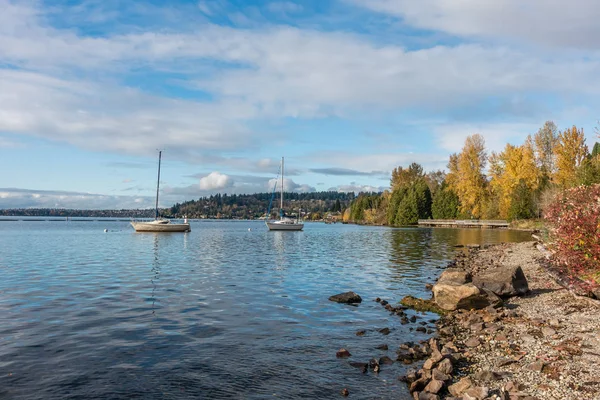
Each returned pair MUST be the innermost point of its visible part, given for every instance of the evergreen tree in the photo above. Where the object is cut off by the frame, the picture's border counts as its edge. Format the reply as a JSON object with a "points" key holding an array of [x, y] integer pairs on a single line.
{"points": [[338, 206], [408, 211], [445, 204], [522, 204]]}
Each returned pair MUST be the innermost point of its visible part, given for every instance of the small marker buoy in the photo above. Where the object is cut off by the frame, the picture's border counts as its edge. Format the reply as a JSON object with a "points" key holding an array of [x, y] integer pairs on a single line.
{"points": [[106, 230], [249, 229]]}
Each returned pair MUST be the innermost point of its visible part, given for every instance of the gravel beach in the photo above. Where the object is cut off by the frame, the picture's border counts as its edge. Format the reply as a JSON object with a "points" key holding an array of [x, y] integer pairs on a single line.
{"points": [[543, 345]]}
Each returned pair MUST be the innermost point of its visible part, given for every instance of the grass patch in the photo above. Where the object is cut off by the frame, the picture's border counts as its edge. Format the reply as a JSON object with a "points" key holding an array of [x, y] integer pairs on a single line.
{"points": [[529, 224], [422, 305]]}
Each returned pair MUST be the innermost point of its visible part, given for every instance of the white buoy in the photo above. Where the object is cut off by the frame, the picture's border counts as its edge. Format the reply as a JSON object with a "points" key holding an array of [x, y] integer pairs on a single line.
{"points": [[106, 230], [249, 229]]}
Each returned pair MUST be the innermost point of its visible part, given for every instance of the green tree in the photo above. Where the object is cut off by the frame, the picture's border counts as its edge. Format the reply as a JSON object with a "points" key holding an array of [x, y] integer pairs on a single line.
{"points": [[408, 212], [445, 204], [522, 205]]}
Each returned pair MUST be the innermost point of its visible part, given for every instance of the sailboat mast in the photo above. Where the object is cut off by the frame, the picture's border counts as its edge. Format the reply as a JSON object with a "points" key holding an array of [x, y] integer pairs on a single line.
{"points": [[281, 207], [157, 186]]}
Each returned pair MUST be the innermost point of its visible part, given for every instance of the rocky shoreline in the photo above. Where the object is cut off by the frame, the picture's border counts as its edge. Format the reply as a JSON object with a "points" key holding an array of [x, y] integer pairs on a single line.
{"points": [[509, 332]]}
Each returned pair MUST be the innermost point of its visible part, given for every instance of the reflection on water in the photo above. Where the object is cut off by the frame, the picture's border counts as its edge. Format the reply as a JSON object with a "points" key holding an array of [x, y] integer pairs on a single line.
{"points": [[219, 312]]}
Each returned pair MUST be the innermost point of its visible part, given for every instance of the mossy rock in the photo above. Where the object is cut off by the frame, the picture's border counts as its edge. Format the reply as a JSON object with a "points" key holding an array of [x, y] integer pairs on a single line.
{"points": [[422, 305]]}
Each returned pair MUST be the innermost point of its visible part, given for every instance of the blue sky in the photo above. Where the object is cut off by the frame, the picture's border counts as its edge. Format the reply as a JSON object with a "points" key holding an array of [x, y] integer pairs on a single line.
{"points": [[346, 90]]}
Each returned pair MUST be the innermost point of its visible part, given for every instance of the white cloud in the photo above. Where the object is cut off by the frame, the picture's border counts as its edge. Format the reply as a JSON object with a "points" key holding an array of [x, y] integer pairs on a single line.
{"points": [[548, 22], [215, 181], [289, 186], [358, 188]]}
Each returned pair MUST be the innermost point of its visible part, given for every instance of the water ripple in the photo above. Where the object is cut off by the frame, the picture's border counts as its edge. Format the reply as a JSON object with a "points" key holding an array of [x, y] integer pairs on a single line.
{"points": [[220, 312]]}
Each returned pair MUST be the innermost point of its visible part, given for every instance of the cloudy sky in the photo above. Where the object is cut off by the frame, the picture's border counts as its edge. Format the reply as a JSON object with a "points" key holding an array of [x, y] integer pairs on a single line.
{"points": [[344, 89]]}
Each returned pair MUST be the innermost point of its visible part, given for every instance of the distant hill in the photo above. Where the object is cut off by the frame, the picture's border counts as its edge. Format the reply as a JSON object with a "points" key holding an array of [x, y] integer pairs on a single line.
{"points": [[252, 206], [235, 206]]}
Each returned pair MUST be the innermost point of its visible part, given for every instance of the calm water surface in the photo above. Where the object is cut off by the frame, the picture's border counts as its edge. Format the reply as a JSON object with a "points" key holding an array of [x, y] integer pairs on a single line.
{"points": [[228, 310]]}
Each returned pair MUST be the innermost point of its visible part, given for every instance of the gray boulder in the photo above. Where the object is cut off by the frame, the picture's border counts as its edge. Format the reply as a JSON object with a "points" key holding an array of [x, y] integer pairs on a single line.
{"points": [[348, 297], [504, 281]]}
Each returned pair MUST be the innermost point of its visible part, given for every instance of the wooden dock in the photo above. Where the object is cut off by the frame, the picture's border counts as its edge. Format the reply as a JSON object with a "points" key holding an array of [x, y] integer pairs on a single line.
{"points": [[464, 223]]}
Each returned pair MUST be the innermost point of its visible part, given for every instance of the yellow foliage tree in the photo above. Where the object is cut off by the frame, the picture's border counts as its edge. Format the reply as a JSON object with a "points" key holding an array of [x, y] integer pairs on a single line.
{"points": [[452, 175], [513, 165], [570, 151], [470, 183]]}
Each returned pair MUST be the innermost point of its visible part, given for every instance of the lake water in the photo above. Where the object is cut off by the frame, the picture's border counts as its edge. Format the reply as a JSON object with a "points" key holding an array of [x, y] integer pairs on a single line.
{"points": [[229, 310]]}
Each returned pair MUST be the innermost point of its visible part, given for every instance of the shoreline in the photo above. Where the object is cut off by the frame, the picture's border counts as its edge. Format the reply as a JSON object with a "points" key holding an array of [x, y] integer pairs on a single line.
{"points": [[542, 345]]}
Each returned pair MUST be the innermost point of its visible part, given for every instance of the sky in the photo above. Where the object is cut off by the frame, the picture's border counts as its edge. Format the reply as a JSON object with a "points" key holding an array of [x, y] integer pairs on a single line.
{"points": [[345, 90]]}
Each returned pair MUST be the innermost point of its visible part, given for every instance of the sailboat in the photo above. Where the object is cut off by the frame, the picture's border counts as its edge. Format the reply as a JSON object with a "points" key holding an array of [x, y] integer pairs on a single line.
{"points": [[160, 224], [284, 223]]}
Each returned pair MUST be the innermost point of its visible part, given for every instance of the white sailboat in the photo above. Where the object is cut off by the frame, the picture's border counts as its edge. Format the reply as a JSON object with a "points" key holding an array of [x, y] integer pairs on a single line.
{"points": [[160, 224], [284, 223]]}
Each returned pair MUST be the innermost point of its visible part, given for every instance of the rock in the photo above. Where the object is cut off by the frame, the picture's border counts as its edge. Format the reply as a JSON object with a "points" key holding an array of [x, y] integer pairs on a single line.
{"points": [[537, 366], [434, 386], [495, 301], [440, 376], [382, 347], [345, 392], [385, 360], [504, 281], [429, 364], [342, 353], [450, 296], [363, 366], [384, 302], [421, 329], [378, 300], [445, 366], [348, 298], [472, 342], [476, 393], [428, 286], [373, 362], [460, 387], [477, 327], [487, 376], [418, 385], [361, 332], [548, 331], [427, 396], [455, 275], [503, 362], [413, 318], [384, 331]]}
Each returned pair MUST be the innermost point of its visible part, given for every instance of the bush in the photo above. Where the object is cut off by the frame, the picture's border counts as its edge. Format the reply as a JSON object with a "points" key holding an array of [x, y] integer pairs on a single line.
{"points": [[574, 219]]}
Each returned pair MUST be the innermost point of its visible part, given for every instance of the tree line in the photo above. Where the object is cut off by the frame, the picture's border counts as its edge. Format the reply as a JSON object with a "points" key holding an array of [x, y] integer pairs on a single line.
{"points": [[515, 183], [314, 205]]}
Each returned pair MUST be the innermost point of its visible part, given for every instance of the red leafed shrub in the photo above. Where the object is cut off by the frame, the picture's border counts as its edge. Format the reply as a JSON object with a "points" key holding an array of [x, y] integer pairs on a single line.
{"points": [[574, 218]]}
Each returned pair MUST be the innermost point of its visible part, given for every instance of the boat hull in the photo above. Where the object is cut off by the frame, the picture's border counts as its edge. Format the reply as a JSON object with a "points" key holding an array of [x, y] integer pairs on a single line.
{"points": [[153, 227], [284, 227]]}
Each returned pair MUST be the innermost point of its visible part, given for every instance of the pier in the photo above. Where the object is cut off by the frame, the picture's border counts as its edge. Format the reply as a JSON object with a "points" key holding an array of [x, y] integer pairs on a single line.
{"points": [[464, 223]]}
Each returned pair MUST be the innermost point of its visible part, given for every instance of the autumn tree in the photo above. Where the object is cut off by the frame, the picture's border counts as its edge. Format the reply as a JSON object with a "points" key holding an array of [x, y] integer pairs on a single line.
{"points": [[513, 167], [571, 151], [405, 176], [434, 180], [452, 175], [545, 141], [470, 182]]}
